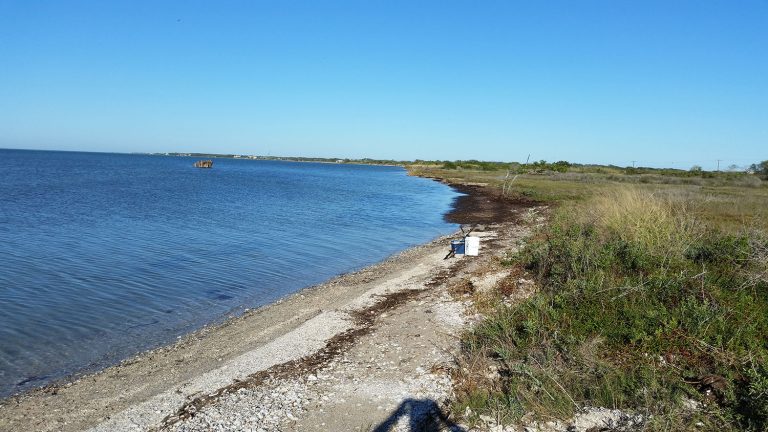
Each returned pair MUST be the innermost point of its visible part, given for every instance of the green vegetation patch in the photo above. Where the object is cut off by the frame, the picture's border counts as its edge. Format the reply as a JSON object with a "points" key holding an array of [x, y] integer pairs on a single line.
{"points": [[641, 307]]}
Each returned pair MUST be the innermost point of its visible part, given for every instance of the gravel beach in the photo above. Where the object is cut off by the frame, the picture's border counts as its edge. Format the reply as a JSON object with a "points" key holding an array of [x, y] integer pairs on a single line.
{"points": [[367, 350]]}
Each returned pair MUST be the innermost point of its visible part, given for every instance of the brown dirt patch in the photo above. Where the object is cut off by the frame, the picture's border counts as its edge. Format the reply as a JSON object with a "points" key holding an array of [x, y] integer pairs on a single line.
{"points": [[485, 205]]}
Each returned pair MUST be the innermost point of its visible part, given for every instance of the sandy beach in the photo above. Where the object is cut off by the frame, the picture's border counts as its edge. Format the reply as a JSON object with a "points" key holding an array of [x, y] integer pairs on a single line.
{"points": [[391, 327]]}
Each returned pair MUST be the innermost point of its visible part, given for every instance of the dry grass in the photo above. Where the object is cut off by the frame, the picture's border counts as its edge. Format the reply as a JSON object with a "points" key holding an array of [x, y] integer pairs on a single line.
{"points": [[652, 220]]}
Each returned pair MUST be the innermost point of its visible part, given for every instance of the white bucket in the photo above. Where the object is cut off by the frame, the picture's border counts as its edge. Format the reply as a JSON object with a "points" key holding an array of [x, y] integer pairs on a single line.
{"points": [[472, 246]]}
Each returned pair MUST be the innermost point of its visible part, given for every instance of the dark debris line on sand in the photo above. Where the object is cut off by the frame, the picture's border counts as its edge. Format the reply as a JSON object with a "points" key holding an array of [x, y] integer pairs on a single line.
{"points": [[364, 320]]}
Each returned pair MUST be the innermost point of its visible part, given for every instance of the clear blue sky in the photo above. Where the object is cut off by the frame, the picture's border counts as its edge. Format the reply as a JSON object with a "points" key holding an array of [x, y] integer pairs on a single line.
{"points": [[665, 83]]}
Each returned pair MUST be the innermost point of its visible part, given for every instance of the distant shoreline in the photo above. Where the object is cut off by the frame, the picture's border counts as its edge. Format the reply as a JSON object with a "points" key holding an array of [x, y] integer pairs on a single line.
{"points": [[335, 161], [332, 161]]}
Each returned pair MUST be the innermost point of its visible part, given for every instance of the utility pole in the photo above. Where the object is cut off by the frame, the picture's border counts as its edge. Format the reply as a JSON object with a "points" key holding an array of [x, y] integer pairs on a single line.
{"points": [[718, 165], [633, 164]]}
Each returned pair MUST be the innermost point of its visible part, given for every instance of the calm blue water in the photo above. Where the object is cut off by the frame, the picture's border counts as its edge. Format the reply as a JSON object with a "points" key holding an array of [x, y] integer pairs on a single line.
{"points": [[103, 255]]}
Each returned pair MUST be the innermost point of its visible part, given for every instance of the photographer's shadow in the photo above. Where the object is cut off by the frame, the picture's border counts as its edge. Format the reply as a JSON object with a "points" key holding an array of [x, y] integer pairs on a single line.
{"points": [[424, 415]]}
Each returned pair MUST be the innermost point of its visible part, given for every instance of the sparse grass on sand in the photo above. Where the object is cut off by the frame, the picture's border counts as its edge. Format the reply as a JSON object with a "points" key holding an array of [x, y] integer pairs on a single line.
{"points": [[652, 298]]}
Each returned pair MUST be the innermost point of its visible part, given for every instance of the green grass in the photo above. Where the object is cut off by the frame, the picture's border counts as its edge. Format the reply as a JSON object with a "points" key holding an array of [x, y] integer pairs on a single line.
{"points": [[649, 295], [727, 202]]}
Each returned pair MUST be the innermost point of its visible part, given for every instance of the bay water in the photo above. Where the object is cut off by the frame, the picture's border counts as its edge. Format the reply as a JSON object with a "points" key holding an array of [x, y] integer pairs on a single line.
{"points": [[105, 255]]}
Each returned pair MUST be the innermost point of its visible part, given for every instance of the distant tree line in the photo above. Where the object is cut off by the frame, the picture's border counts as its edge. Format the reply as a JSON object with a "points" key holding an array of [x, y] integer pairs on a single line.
{"points": [[760, 169], [542, 166], [538, 167]]}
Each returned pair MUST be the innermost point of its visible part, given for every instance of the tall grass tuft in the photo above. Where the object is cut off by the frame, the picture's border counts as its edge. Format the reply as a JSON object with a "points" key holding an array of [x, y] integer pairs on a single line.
{"points": [[650, 220]]}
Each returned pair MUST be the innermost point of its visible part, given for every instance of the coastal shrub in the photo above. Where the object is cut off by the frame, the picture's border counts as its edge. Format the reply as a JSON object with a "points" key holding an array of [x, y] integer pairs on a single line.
{"points": [[748, 181], [754, 397], [474, 165], [760, 169], [641, 307]]}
